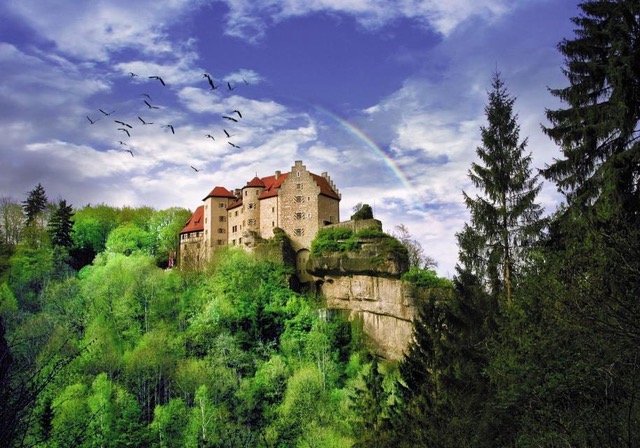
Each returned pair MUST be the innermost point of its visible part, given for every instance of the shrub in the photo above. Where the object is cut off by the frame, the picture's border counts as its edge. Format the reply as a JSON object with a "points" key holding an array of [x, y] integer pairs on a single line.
{"points": [[426, 278]]}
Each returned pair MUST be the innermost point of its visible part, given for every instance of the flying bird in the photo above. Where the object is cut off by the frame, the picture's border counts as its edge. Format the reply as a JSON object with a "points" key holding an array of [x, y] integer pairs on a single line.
{"points": [[213, 87], [122, 143], [194, 168], [227, 134], [159, 79], [133, 75], [170, 127], [125, 130], [237, 112], [149, 105], [229, 118], [90, 120], [143, 122], [124, 124], [210, 136], [129, 151], [235, 146], [147, 95], [245, 81], [106, 114], [229, 86]]}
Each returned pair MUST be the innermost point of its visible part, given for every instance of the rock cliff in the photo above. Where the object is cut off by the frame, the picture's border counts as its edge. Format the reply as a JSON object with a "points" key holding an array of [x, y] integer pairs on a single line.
{"points": [[365, 284]]}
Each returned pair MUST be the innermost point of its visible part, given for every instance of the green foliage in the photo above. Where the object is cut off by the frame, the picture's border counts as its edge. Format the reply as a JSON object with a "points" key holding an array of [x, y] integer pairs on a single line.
{"points": [[129, 238], [341, 239], [426, 278], [362, 212]]}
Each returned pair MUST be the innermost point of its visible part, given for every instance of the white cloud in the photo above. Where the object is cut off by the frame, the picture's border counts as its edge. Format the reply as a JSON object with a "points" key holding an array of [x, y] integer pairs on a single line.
{"points": [[250, 20], [92, 30]]}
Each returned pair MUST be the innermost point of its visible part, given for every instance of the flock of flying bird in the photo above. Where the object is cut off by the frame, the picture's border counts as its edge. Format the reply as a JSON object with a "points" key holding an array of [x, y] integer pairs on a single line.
{"points": [[127, 128]]}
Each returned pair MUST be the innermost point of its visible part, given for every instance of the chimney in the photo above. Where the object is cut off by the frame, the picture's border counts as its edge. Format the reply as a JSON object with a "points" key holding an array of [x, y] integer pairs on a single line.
{"points": [[277, 174], [325, 175]]}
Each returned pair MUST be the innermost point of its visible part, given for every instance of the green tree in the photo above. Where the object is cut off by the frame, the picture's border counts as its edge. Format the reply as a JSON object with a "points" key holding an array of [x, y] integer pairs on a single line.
{"points": [[595, 237], [12, 220], [61, 225], [598, 131], [35, 204], [504, 216], [362, 211]]}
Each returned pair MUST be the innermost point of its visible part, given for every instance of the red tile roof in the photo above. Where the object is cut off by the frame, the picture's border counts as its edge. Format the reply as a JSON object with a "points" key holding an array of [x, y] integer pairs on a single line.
{"points": [[325, 187], [255, 182], [195, 223], [271, 185], [219, 192]]}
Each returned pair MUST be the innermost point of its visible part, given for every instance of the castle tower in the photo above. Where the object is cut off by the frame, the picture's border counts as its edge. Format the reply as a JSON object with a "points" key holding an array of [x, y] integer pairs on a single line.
{"points": [[251, 205], [215, 218]]}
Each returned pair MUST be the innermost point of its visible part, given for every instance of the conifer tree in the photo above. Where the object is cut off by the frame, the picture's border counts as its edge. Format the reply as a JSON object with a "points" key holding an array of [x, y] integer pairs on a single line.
{"points": [[61, 225], [504, 215], [598, 132], [596, 235], [35, 203]]}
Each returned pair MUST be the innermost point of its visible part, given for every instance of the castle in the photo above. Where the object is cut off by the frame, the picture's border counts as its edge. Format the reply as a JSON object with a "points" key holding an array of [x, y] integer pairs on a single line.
{"points": [[298, 202]]}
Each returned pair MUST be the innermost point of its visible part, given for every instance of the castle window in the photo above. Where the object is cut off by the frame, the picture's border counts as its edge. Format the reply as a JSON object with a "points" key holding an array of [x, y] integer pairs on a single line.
{"points": [[298, 215], [205, 220], [246, 192], [297, 199], [220, 242], [257, 192], [236, 212], [220, 230], [222, 218], [252, 222], [221, 205], [298, 186], [234, 229], [298, 232], [273, 209], [251, 206], [298, 173]]}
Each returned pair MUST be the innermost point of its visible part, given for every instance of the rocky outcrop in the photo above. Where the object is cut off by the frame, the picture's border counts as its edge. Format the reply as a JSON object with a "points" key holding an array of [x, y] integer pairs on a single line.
{"points": [[384, 306], [365, 284]]}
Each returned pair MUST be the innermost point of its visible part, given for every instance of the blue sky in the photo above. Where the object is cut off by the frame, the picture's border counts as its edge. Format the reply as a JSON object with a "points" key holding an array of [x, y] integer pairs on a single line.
{"points": [[386, 96]]}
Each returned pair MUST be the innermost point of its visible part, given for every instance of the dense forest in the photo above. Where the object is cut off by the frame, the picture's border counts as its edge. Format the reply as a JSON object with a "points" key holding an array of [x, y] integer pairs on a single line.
{"points": [[534, 342]]}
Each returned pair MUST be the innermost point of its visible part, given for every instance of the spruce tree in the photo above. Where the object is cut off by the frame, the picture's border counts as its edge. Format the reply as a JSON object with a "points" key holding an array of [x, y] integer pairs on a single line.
{"points": [[61, 225], [596, 234], [35, 204], [598, 132], [504, 215]]}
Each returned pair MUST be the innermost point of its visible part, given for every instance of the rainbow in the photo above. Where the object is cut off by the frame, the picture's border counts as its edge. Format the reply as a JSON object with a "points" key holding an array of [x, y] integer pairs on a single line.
{"points": [[368, 142]]}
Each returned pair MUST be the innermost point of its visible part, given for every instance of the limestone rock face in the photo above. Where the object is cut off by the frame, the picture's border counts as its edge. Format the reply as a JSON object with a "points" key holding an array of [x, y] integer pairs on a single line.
{"points": [[384, 306]]}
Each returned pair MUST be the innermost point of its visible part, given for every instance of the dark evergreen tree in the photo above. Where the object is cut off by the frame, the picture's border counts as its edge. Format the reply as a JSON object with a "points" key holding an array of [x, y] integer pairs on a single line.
{"points": [[596, 234], [504, 215], [61, 225], [35, 204], [598, 132], [370, 407]]}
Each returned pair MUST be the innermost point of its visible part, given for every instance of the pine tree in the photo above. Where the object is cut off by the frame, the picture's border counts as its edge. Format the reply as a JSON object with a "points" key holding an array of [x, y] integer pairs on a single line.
{"points": [[61, 225], [35, 204], [504, 215]]}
